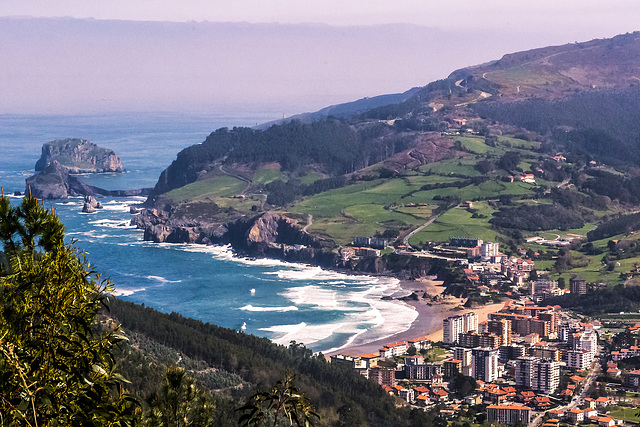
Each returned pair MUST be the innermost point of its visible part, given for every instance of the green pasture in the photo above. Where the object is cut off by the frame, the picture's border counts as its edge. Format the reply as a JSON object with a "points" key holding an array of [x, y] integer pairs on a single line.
{"points": [[212, 188], [311, 177], [457, 222], [268, 173]]}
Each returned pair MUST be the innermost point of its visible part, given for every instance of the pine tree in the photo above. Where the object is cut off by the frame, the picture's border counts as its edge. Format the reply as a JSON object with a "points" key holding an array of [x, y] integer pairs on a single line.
{"points": [[56, 361]]}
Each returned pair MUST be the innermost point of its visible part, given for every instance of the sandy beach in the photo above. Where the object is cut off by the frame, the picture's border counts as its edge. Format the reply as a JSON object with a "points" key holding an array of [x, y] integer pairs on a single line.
{"points": [[430, 316]]}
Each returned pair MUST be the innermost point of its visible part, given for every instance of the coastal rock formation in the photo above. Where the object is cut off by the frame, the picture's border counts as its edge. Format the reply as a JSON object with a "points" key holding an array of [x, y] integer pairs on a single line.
{"points": [[91, 204], [55, 182], [79, 156]]}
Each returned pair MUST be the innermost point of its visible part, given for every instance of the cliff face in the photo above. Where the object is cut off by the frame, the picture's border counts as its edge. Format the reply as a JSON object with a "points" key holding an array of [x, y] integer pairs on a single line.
{"points": [[54, 182], [79, 156]]}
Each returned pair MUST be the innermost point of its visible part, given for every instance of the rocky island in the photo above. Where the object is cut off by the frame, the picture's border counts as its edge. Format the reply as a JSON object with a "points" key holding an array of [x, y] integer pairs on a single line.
{"points": [[79, 156], [63, 158]]}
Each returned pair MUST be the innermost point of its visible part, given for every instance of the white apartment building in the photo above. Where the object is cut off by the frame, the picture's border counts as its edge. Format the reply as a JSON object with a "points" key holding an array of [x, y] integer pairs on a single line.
{"points": [[455, 325]]}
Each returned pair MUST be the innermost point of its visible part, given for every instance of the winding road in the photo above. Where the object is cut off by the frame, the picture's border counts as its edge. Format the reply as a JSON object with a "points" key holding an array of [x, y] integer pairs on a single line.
{"points": [[309, 223]]}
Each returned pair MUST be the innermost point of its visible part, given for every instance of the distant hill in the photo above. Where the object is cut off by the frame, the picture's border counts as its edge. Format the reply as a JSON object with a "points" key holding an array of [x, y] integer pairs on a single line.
{"points": [[556, 124]]}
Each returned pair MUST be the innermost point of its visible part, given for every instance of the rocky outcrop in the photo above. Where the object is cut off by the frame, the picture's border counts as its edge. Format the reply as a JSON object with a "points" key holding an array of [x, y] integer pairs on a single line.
{"points": [[91, 204], [55, 182], [79, 156], [267, 234]]}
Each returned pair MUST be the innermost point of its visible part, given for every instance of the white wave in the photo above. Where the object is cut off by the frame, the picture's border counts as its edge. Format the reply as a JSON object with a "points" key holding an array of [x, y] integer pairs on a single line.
{"points": [[317, 297], [162, 279], [279, 309], [126, 292], [118, 206], [253, 291], [112, 223]]}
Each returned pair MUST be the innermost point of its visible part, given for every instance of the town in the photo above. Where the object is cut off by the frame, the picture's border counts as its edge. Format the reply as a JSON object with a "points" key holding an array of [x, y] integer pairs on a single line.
{"points": [[528, 363]]}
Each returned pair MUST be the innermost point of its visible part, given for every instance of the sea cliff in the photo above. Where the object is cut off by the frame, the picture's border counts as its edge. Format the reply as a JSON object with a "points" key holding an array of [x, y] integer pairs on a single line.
{"points": [[79, 156]]}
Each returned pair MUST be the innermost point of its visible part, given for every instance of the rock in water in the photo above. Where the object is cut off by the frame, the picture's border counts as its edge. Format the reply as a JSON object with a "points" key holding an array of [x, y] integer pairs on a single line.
{"points": [[91, 204], [55, 183], [79, 156]]}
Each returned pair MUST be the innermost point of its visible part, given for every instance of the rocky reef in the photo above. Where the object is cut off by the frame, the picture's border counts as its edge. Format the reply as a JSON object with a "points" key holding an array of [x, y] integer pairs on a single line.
{"points": [[79, 156]]}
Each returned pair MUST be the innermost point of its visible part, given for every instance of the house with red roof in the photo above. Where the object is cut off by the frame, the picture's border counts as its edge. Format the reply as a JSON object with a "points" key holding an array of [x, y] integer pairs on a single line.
{"points": [[575, 416], [423, 400], [542, 402], [606, 422], [439, 395]]}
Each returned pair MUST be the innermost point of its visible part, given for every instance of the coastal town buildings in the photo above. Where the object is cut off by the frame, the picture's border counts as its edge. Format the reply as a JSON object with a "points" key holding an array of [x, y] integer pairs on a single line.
{"points": [[455, 325]]}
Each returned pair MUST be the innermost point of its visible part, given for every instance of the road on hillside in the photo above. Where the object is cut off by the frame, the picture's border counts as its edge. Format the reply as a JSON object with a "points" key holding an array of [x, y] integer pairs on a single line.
{"points": [[309, 223], [405, 241]]}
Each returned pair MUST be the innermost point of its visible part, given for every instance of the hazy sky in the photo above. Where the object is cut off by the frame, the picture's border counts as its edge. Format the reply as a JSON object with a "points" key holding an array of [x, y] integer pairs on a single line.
{"points": [[599, 16], [293, 56]]}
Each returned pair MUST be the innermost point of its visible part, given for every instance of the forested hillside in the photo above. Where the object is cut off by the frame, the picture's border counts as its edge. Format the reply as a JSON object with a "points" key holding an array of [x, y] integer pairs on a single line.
{"points": [[232, 365]]}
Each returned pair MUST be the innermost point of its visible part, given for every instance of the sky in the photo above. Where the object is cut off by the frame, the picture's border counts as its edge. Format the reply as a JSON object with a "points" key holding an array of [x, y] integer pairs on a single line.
{"points": [[595, 15], [286, 55]]}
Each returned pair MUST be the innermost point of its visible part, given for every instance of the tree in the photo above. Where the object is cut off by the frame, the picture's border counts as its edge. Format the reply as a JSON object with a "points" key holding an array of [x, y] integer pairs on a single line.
{"points": [[283, 400], [56, 361], [179, 404]]}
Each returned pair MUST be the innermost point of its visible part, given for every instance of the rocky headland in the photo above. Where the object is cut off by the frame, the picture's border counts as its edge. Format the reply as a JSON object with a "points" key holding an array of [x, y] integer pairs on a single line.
{"points": [[79, 156], [267, 234]]}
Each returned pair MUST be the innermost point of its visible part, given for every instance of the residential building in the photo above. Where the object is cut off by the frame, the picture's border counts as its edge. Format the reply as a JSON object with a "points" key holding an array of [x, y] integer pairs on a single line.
{"points": [[485, 364], [407, 394], [538, 374], [451, 368], [509, 414], [510, 352], [383, 376], [416, 369], [578, 285], [474, 339], [578, 359], [501, 328], [455, 325], [487, 250]]}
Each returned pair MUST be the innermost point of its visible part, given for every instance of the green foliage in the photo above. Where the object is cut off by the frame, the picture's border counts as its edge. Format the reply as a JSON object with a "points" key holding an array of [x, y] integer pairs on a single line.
{"points": [[261, 363], [283, 400], [180, 403], [603, 119], [537, 217], [56, 366]]}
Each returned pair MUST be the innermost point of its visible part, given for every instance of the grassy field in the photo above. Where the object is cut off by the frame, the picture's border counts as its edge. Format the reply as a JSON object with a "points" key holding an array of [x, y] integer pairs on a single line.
{"points": [[627, 414], [457, 222], [217, 187], [268, 173]]}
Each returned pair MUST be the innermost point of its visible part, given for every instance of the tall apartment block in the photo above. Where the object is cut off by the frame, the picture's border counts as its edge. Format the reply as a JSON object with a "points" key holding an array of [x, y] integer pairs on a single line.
{"points": [[455, 325]]}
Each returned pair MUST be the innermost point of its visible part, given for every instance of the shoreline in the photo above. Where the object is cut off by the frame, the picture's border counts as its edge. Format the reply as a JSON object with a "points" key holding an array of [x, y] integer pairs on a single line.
{"points": [[427, 324]]}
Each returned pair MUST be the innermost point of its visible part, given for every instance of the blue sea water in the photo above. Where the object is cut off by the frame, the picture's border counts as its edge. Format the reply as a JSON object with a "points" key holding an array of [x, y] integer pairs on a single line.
{"points": [[325, 310]]}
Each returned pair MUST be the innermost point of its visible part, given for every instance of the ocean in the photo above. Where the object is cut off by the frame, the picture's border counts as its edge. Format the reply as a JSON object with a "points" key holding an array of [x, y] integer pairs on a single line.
{"points": [[285, 302]]}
